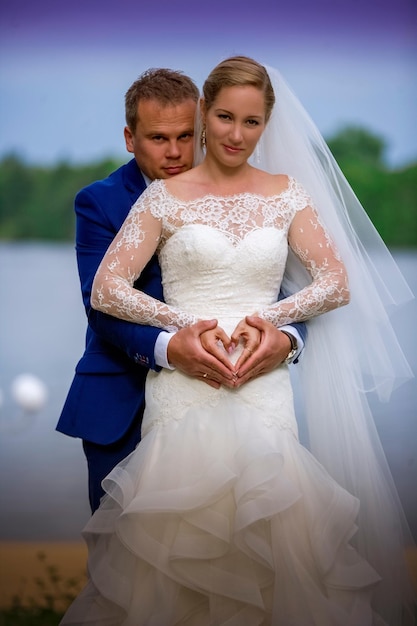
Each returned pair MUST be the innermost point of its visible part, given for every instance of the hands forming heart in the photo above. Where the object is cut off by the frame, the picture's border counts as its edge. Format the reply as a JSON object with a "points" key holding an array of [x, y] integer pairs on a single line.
{"points": [[205, 351], [232, 351]]}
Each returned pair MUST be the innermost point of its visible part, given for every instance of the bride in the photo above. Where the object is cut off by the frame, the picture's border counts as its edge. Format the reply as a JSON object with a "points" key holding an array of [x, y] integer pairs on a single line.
{"points": [[220, 516]]}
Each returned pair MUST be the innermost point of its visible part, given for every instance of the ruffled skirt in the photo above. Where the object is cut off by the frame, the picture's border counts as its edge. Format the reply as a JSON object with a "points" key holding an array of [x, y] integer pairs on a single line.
{"points": [[221, 517]]}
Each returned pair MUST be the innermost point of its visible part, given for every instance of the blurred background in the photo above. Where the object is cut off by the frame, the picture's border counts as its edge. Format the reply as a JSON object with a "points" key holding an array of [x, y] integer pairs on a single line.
{"points": [[64, 70]]}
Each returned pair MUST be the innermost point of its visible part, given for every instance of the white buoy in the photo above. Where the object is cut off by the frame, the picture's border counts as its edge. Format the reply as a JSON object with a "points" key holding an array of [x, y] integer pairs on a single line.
{"points": [[29, 392]]}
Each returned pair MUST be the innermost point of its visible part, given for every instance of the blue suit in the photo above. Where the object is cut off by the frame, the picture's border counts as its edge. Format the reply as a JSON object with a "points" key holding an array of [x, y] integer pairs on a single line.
{"points": [[105, 403]]}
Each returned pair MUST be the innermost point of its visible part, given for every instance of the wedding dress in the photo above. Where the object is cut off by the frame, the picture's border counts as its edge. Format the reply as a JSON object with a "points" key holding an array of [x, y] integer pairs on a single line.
{"points": [[220, 516]]}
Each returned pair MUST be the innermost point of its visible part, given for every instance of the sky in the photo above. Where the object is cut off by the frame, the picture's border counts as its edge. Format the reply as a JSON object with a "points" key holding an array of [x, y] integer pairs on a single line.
{"points": [[65, 66]]}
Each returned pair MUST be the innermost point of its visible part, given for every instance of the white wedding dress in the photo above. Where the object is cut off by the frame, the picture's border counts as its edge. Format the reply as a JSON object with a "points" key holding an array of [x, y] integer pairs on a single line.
{"points": [[221, 516]]}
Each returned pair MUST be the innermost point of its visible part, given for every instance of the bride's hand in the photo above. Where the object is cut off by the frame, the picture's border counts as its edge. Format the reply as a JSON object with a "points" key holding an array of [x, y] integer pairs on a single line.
{"points": [[250, 337], [200, 358], [273, 350], [218, 343]]}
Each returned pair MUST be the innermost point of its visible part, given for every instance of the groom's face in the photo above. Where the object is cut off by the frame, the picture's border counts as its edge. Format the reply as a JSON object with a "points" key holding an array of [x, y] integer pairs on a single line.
{"points": [[163, 139]]}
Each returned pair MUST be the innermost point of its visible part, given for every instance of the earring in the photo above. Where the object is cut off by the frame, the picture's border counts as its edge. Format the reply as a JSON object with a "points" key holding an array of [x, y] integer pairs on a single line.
{"points": [[257, 154], [203, 138]]}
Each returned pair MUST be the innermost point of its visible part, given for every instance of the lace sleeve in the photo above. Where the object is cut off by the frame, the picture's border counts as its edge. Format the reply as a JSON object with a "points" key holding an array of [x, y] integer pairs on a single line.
{"points": [[329, 287], [113, 291]]}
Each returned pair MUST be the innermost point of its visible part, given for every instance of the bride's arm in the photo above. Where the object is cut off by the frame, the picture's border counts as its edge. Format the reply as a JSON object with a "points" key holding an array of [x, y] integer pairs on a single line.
{"points": [[329, 288], [113, 292]]}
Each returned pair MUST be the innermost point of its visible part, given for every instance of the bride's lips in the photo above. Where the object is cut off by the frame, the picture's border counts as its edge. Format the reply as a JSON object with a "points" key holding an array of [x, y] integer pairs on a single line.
{"points": [[232, 149]]}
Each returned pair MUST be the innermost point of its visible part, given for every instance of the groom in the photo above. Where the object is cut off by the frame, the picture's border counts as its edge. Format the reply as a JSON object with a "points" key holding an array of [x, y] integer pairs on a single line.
{"points": [[105, 402]]}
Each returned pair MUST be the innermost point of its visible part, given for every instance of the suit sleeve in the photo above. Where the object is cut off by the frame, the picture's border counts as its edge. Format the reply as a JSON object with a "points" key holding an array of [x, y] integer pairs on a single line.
{"points": [[94, 233]]}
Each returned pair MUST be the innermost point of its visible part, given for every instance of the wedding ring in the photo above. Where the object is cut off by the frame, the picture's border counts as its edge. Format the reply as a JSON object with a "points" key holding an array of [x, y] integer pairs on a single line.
{"points": [[205, 375]]}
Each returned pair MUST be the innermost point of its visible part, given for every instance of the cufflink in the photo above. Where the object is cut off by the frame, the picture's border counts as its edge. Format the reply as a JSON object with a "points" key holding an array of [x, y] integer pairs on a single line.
{"points": [[141, 359]]}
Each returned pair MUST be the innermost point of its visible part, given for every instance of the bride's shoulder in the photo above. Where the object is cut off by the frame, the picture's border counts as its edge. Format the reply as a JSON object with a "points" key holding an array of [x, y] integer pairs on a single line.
{"points": [[186, 186], [274, 184]]}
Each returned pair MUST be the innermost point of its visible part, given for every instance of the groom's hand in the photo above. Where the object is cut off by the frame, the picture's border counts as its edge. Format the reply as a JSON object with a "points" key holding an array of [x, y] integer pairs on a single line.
{"points": [[194, 351], [272, 351]]}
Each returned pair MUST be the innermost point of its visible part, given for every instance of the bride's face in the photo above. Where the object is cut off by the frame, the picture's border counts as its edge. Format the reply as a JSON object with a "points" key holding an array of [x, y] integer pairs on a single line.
{"points": [[234, 123]]}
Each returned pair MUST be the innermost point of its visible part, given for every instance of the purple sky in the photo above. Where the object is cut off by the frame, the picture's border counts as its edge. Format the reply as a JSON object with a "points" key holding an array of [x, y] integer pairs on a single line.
{"points": [[356, 16], [65, 66]]}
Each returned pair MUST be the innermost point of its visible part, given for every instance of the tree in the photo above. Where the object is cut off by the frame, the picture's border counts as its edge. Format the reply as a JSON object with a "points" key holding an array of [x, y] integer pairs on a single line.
{"points": [[356, 143]]}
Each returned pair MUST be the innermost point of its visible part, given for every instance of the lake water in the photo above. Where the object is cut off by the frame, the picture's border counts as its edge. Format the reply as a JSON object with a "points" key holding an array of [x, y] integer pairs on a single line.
{"points": [[43, 476]]}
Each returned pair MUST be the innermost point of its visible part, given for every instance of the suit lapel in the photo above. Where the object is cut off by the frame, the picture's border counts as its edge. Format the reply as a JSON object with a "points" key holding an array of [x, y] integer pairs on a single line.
{"points": [[133, 180]]}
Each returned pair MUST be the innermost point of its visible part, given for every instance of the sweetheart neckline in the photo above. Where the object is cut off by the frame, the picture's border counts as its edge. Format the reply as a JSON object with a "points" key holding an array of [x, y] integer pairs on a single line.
{"points": [[234, 240]]}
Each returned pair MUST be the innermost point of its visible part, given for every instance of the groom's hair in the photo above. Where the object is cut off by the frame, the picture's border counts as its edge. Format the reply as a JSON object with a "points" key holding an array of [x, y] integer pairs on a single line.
{"points": [[166, 86]]}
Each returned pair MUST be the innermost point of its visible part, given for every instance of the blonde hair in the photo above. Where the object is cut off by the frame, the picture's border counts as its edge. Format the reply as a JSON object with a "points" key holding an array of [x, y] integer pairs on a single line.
{"points": [[239, 71]]}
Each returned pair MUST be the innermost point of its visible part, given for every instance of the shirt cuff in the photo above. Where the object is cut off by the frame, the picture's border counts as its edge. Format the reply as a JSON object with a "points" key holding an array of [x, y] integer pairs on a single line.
{"points": [[300, 343], [161, 350]]}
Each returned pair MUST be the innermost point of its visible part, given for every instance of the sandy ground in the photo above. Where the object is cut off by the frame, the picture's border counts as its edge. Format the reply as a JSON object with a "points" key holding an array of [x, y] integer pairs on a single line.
{"points": [[21, 564]]}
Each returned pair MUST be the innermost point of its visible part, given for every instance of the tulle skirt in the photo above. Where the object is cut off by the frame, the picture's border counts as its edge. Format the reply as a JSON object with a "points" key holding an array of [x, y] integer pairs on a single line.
{"points": [[221, 517]]}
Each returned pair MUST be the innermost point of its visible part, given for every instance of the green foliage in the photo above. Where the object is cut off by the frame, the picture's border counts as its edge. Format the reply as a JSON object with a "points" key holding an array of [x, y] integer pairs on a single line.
{"points": [[355, 143], [54, 596], [389, 196], [37, 203]]}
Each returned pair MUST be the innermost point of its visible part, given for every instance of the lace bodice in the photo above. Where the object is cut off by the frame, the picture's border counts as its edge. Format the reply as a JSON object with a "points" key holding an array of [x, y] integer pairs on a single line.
{"points": [[220, 257]]}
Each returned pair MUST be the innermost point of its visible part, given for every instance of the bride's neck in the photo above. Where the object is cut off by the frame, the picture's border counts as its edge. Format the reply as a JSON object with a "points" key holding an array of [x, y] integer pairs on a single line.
{"points": [[228, 179]]}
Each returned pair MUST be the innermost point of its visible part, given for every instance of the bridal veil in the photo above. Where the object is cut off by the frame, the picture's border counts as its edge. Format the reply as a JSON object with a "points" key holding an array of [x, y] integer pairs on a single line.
{"points": [[351, 352]]}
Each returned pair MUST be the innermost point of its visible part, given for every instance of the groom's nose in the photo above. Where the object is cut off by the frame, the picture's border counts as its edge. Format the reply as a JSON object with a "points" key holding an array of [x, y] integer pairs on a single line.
{"points": [[173, 150]]}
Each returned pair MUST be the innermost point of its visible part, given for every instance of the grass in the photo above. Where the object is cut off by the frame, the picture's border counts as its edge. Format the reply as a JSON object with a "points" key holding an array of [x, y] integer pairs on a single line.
{"points": [[54, 594]]}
